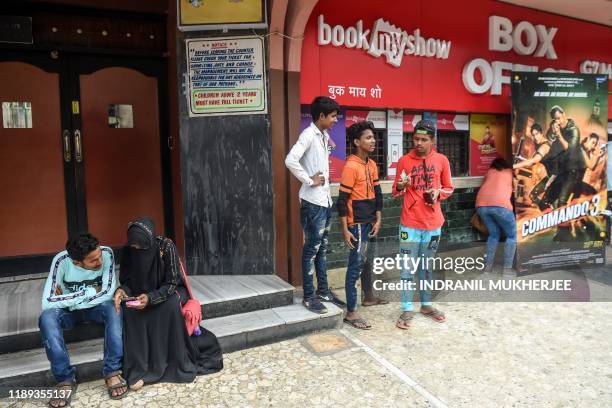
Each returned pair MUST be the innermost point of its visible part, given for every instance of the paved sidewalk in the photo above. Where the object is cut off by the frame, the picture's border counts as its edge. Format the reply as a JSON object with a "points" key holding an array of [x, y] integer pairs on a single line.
{"points": [[486, 355]]}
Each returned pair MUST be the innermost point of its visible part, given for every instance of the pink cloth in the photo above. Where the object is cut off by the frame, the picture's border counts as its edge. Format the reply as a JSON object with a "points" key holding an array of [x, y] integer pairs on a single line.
{"points": [[192, 310], [496, 189]]}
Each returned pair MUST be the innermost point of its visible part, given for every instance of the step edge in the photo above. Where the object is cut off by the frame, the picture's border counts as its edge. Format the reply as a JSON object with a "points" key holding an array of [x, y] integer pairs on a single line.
{"points": [[99, 341], [202, 303], [229, 299]]}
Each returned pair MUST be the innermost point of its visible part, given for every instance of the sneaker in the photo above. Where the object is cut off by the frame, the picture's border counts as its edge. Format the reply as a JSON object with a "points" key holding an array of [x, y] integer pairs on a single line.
{"points": [[332, 298], [314, 305]]}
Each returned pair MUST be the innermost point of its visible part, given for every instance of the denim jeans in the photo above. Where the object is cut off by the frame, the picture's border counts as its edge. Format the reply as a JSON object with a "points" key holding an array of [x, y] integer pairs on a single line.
{"points": [[359, 263], [497, 219], [52, 322], [315, 222], [418, 245]]}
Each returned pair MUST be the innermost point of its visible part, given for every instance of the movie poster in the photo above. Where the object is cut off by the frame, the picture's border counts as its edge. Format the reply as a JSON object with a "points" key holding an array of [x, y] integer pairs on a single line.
{"points": [[559, 144], [488, 137], [609, 166]]}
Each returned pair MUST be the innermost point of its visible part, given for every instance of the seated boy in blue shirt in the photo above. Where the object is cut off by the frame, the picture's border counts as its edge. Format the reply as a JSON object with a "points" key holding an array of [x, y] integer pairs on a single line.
{"points": [[80, 288]]}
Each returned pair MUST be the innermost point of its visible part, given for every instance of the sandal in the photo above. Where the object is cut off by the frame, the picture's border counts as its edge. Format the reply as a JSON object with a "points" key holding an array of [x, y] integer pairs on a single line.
{"points": [[356, 322], [404, 320], [121, 384], [435, 315], [64, 394], [375, 302]]}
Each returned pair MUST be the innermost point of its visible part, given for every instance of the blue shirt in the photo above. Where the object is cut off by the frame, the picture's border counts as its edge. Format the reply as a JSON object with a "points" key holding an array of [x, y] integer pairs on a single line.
{"points": [[78, 285]]}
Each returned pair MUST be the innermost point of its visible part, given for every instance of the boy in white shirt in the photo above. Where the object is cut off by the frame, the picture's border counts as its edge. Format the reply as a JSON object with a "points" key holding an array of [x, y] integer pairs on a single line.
{"points": [[308, 161]]}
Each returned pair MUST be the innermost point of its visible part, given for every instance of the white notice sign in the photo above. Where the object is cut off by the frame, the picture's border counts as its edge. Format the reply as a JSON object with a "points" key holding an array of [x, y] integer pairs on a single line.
{"points": [[226, 76]]}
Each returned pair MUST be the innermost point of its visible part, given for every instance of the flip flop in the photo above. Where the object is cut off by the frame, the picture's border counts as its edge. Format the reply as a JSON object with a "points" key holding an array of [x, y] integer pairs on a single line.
{"points": [[121, 384], [377, 302], [435, 315], [405, 319], [354, 323], [62, 390]]}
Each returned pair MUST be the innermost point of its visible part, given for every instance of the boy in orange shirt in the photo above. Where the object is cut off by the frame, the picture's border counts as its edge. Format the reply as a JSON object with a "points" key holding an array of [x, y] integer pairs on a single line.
{"points": [[359, 206], [423, 178]]}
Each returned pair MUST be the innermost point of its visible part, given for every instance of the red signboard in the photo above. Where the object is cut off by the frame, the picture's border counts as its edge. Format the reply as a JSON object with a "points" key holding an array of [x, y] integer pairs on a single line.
{"points": [[451, 121], [378, 118], [409, 121], [424, 55], [354, 116]]}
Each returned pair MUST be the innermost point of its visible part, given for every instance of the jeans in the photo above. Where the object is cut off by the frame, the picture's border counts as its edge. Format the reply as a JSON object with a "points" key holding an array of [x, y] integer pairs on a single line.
{"points": [[497, 219], [359, 263], [417, 245], [52, 322], [316, 221]]}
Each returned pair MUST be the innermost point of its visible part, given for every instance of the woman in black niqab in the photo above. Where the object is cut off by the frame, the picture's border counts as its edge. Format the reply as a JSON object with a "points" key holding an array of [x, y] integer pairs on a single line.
{"points": [[145, 264], [157, 346]]}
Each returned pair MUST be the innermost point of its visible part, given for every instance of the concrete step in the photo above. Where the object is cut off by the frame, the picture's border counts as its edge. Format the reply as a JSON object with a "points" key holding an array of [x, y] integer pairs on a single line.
{"points": [[30, 368], [219, 296], [233, 294]]}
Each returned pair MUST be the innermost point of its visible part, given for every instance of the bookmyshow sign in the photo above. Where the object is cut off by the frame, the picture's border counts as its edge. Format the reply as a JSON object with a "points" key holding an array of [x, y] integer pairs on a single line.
{"points": [[440, 56], [384, 39], [390, 41]]}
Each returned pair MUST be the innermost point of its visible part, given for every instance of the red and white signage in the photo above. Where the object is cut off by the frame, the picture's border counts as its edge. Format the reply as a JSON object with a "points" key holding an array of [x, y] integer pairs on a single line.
{"points": [[410, 120], [378, 118], [395, 138], [440, 56], [384, 39], [451, 121]]}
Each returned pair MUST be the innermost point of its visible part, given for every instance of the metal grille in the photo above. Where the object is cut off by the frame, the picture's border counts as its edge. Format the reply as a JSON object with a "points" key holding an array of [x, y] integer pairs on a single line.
{"points": [[379, 155], [408, 143], [453, 144]]}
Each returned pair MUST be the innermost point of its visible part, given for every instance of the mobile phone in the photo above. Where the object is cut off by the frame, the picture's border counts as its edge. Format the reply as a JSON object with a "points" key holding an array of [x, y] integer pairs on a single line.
{"points": [[428, 197], [133, 303]]}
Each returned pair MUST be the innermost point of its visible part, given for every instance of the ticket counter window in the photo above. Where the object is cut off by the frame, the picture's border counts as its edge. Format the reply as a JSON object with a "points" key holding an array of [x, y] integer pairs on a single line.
{"points": [[379, 155], [453, 144]]}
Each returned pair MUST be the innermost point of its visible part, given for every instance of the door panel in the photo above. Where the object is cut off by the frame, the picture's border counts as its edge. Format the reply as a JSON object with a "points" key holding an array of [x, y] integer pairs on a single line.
{"points": [[47, 194], [122, 165], [33, 204]]}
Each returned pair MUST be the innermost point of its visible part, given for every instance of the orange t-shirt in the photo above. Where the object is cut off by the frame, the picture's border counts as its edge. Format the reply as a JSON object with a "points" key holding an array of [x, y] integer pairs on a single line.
{"points": [[360, 180], [429, 172], [496, 189]]}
